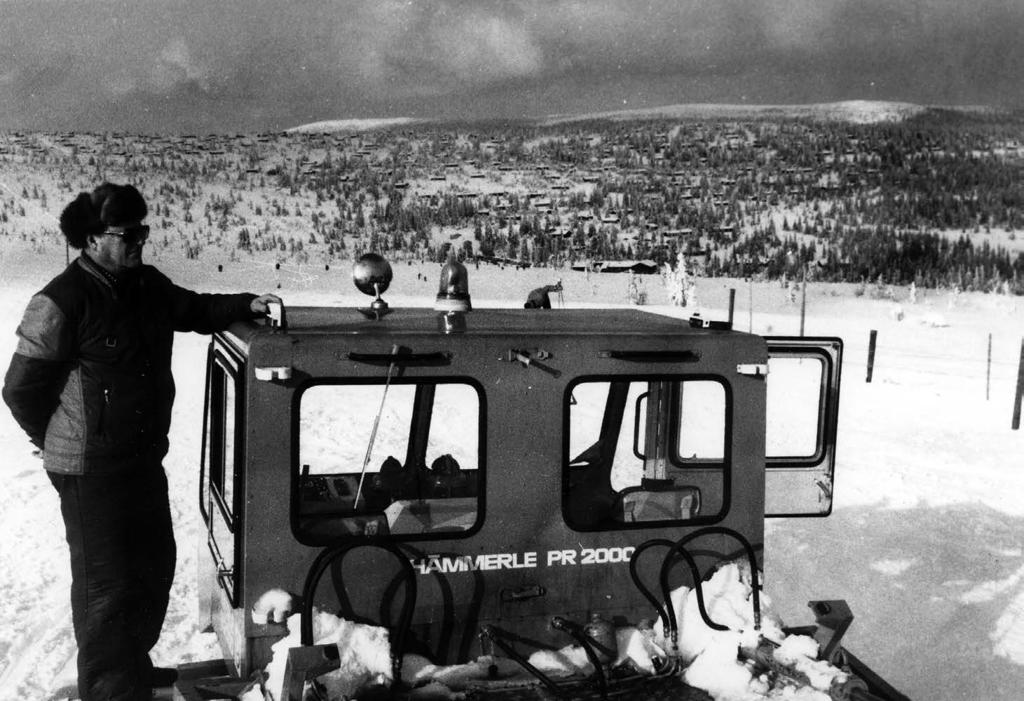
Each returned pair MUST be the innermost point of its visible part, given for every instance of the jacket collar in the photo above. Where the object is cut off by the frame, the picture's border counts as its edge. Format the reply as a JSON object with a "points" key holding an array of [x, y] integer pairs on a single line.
{"points": [[96, 270]]}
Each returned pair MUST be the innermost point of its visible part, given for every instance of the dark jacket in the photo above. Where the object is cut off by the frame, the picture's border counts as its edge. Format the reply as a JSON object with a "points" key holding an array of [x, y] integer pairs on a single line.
{"points": [[539, 299], [90, 381]]}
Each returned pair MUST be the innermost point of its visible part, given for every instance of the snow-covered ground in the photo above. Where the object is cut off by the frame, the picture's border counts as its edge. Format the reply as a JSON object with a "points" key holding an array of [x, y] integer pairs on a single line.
{"points": [[924, 542]]}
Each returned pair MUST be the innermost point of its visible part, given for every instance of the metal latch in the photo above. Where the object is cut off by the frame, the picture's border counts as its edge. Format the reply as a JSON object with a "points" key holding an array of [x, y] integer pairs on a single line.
{"points": [[755, 369], [272, 374], [697, 322], [530, 357]]}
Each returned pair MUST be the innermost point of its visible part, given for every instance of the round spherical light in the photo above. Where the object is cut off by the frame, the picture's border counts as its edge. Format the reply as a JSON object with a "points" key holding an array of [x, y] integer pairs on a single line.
{"points": [[372, 274]]}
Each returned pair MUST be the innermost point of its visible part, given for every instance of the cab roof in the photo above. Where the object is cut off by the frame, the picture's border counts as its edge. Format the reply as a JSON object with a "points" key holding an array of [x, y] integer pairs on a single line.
{"points": [[486, 321]]}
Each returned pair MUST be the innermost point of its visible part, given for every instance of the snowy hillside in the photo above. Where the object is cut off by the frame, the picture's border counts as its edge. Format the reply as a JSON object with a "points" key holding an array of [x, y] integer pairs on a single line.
{"points": [[333, 125], [924, 543], [855, 111]]}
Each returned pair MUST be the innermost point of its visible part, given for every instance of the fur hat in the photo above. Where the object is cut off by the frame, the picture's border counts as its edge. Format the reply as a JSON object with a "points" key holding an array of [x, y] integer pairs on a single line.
{"points": [[107, 205]]}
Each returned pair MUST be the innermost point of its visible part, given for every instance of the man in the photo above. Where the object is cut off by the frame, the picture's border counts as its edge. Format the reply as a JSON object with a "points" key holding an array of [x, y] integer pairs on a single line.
{"points": [[539, 298], [90, 383]]}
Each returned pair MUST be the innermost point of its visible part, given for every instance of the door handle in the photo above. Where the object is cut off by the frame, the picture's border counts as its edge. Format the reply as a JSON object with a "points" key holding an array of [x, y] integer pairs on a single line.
{"points": [[522, 593]]}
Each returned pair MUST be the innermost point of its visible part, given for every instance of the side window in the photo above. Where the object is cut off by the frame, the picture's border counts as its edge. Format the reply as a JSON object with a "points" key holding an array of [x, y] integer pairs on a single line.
{"points": [[219, 467], [221, 444], [794, 398], [401, 460], [641, 451], [802, 405]]}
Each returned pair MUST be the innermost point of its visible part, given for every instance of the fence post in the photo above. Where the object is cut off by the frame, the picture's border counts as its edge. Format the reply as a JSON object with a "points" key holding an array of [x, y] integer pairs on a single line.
{"points": [[988, 368], [871, 354], [803, 301], [732, 303], [1020, 389]]}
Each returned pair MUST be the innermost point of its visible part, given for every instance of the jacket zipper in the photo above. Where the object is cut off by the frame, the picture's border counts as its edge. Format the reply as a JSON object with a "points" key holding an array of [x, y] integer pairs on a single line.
{"points": [[103, 411]]}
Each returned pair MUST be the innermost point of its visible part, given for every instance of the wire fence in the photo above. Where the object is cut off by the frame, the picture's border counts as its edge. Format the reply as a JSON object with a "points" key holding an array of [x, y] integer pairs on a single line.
{"points": [[991, 373]]}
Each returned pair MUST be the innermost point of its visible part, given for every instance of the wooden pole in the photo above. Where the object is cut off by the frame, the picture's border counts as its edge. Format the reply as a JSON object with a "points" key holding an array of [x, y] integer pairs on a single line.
{"points": [[1020, 389], [732, 303], [803, 301], [871, 354], [988, 368], [750, 308]]}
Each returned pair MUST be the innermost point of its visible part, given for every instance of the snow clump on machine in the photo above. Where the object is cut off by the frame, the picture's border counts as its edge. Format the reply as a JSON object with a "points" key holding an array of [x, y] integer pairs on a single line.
{"points": [[711, 657]]}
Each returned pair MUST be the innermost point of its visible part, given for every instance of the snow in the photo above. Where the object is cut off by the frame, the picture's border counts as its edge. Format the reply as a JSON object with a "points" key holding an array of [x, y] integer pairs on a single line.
{"points": [[365, 655], [893, 568], [1008, 636], [855, 111], [273, 605], [924, 541], [333, 125]]}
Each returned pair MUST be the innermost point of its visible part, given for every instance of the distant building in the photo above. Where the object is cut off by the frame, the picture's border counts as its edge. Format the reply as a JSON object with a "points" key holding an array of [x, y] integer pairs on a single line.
{"points": [[639, 267]]}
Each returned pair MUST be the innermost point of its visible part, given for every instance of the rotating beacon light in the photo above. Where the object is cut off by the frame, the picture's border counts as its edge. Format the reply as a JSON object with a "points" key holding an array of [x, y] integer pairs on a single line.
{"points": [[372, 275], [453, 290]]}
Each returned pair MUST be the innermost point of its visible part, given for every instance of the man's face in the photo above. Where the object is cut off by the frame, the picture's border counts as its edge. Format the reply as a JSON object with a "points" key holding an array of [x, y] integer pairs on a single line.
{"points": [[119, 248]]}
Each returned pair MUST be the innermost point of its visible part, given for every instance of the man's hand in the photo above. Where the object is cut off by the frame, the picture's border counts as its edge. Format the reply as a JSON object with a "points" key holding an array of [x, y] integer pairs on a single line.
{"points": [[260, 305]]}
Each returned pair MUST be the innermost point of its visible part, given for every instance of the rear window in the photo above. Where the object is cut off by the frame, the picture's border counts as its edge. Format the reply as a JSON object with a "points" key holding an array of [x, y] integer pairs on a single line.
{"points": [[645, 451], [396, 460]]}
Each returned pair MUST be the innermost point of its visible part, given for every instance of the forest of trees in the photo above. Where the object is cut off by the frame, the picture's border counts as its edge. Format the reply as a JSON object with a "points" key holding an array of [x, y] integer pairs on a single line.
{"points": [[908, 201]]}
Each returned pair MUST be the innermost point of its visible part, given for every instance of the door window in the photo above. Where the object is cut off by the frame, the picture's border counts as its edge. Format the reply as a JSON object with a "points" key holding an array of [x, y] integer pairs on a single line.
{"points": [[802, 407]]}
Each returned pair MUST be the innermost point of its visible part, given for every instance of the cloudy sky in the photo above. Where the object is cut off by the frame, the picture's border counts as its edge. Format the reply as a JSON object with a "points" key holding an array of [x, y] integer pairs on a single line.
{"points": [[250, 65]]}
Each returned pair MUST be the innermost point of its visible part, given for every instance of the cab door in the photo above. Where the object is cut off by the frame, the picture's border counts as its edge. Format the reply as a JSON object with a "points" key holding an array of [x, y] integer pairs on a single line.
{"points": [[220, 476], [802, 412]]}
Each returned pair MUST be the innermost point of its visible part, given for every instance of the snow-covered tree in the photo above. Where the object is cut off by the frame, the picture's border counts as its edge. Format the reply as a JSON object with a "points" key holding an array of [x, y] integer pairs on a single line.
{"points": [[678, 281]]}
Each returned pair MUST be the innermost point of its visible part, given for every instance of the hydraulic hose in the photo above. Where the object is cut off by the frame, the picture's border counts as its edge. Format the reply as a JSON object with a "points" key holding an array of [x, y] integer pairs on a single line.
{"points": [[667, 613], [579, 636], [493, 635], [668, 623], [320, 565], [679, 548]]}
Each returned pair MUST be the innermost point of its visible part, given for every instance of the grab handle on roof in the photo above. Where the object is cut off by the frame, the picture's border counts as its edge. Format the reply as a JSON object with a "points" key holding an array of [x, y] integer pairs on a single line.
{"points": [[652, 356], [276, 317], [404, 357]]}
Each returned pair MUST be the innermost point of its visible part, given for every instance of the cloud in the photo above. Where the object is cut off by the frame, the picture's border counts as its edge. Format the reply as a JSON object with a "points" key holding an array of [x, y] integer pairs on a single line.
{"points": [[175, 65], [420, 47], [271, 63], [162, 71], [488, 49]]}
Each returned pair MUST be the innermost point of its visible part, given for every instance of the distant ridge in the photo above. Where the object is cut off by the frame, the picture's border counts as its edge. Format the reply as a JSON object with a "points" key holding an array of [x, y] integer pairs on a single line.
{"points": [[852, 111], [353, 125]]}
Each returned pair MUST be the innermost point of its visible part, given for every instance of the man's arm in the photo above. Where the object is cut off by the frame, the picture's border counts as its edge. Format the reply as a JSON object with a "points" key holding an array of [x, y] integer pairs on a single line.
{"points": [[206, 313], [39, 367]]}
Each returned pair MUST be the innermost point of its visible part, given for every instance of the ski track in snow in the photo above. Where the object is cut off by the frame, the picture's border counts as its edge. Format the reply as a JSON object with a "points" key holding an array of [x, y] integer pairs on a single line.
{"points": [[1008, 636], [40, 645], [45, 651], [924, 540]]}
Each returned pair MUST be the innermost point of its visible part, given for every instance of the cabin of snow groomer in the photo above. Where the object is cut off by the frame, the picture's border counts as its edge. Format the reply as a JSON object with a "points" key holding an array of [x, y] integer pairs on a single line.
{"points": [[485, 470]]}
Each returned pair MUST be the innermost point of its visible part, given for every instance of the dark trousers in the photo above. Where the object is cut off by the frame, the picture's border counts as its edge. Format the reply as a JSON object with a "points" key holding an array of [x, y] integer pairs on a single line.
{"points": [[122, 564]]}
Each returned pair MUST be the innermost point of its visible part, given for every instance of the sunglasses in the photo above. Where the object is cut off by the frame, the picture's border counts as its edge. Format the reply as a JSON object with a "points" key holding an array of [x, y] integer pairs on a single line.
{"points": [[131, 234]]}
